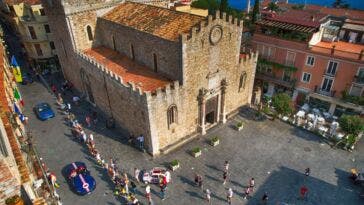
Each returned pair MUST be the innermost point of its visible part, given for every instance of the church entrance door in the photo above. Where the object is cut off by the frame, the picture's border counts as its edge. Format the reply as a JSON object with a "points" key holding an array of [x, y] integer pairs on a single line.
{"points": [[211, 110]]}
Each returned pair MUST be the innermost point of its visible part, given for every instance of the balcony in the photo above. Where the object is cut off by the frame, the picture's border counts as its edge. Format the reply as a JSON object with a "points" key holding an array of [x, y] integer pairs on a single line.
{"points": [[270, 77], [329, 74], [358, 80], [320, 91]]}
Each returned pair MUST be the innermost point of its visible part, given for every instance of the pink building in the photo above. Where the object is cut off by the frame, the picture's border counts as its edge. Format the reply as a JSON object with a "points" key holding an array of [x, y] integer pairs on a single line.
{"points": [[313, 56]]}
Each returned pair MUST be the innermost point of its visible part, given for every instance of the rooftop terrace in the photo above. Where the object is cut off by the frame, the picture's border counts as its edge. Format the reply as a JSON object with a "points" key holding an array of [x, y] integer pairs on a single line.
{"points": [[340, 49], [129, 70]]}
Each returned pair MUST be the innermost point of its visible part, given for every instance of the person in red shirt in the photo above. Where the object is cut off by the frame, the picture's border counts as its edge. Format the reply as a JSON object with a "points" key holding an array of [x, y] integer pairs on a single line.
{"points": [[303, 191]]}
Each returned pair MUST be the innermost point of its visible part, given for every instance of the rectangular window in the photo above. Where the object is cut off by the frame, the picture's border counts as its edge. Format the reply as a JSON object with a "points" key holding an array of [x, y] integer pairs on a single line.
{"points": [[32, 33], [331, 68], [327, 84], [38, 49], [356, 90], [290, 58], [51, 44], [310, 60], [306, 77], [286, 76], [46, 28], [360, 76], [42, 13], [132, 52], [155, 63]]}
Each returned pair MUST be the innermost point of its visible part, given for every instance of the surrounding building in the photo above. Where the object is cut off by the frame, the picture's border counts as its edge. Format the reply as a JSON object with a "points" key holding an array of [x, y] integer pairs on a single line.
{"points": [[188, 9], [165, 74], [313, 55], [29, 20]]}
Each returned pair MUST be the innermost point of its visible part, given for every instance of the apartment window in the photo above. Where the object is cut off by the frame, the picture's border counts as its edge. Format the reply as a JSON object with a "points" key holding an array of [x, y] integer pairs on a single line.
{"points": [[360, 75], [51, 44], [266, 51], [155, 62], [242, 81], [89, 33], [290, 58], [356, 90], [46, 28], [113, 43], [42, 13], [327, 84], [310, 60], [306, 77], [32, 33], [286, 76], [331, 68], [172, 115], [38, 49]]}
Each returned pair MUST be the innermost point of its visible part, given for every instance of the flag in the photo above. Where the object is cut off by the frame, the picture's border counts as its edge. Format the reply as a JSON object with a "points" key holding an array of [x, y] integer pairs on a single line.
{"points": [[16, 70], [16, 109], [18, 97]]}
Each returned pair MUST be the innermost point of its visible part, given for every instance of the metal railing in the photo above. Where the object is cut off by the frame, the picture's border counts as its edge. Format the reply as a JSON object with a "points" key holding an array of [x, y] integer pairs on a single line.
{"points": [[321, 91]]}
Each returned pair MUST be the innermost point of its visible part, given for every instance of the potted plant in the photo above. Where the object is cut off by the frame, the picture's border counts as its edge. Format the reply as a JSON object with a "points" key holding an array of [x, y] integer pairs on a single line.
{"points": [[239, 126], [174, 165], [215, 141], [14, 200], [196, 152]]}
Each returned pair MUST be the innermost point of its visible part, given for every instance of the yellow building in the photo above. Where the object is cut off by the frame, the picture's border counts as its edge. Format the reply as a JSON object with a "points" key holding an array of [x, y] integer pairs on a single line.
{"points": [[28, 19]]}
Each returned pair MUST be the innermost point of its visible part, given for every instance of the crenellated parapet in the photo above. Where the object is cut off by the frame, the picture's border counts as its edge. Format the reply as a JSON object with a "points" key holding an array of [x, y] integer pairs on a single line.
{"points": [[222, 18], [169, 90], [248, 59]]}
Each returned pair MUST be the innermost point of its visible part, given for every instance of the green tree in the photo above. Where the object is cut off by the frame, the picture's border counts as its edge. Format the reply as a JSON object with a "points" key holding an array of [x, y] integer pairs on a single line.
{"points": [[351, 124], [255, 11], [282, 104], [340, 4], [224, 5], [201, 4], [273, 6]]}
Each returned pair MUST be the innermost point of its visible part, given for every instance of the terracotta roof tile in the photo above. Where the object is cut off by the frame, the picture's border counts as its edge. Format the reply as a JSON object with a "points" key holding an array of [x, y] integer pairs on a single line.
{"points": [[342, 49], [129, 70], [161, 22], [297, 17]]}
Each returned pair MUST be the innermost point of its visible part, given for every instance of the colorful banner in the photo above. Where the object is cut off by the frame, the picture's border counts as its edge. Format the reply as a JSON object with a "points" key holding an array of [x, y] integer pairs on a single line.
{"points": [[16, 70]]}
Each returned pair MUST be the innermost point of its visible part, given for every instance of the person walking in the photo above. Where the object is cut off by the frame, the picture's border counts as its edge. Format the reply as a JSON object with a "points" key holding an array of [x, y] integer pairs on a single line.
{"points": [[226, 166], [133, 187], [54, 89], [208, 196], [229, 195], [252, 184], [303, 192], [247, 192], [265, 198], [94, 117], [307, 171], [163, 188], [88, 120], [224, 176], [136, 174], [147, 194]]}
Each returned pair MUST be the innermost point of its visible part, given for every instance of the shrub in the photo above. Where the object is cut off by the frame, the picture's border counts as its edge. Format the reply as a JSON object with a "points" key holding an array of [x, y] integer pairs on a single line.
{"points": [[239, 124], [196, 149], [282, 104], [215, 139], [351, 124], [174, 162]]}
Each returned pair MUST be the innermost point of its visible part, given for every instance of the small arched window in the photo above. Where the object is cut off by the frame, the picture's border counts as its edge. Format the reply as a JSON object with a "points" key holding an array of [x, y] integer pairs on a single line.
{"points": [[172, 115], [89, 33], [242, 81]]}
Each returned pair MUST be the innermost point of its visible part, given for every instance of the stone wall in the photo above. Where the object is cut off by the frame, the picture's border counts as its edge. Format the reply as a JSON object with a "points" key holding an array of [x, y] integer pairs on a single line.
{"points": [[144, 45]]}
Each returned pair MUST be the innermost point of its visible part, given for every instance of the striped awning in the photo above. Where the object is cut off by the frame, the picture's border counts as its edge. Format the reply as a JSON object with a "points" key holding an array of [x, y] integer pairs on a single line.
{"points": [[287, 26]]}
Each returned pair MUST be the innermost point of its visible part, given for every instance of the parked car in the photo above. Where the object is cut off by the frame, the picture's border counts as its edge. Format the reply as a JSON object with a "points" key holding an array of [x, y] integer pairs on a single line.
{"points": [[154, 175], [79, 178], [43, 111]]}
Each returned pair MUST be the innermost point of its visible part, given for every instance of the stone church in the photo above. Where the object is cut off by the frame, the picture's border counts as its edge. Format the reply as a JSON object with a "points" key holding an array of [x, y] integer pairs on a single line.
{"points": [[165, 74]]}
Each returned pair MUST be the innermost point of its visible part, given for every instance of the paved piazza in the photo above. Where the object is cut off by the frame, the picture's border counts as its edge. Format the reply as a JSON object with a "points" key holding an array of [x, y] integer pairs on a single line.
{"points": [[272, 152]]}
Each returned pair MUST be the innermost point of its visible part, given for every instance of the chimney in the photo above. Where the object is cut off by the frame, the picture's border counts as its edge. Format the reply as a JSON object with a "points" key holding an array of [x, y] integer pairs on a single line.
{"points": [[333, 49], [248, 6]]}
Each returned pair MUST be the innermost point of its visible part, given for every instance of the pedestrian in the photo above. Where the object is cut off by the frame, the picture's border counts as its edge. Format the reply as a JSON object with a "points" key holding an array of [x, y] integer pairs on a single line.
{"points": [[265, 198], [229, 195], [226, 166], [91, 137], [252, 184], [136, 174], [247, 192], [163, 188], [112, 163], [68, 107], [59, 99], [94, 117], [199, 181], [84, 136], [141, 142], [133, 187], [224, 176], [208, 196], [54, 88], [147, 194], [307, 171], [88, 121], [76, 100], [168, 176], [303, 192]]}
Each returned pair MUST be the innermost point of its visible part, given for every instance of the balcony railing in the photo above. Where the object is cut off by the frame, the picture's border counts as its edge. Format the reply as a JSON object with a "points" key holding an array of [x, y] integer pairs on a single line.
{"points": [[321, 91], [270, 77], [329, 74]]}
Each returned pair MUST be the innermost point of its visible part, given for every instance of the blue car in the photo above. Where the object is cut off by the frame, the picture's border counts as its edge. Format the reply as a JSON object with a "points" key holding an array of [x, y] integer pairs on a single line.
{"points": [[79, 178], [43, 111]]}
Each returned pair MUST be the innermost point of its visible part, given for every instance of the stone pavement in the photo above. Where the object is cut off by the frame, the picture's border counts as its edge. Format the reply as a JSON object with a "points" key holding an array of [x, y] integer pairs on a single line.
{"points": [[274, 153]]}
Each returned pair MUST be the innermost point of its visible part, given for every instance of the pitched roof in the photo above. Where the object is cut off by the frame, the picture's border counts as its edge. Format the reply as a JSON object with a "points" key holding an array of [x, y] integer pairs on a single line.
{"points": [[30, 2], [297, 17], [161, 22], [127, 69]]}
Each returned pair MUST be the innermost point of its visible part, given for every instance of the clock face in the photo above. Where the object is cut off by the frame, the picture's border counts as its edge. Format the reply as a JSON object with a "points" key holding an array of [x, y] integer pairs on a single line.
{"points": [[215, 34]]}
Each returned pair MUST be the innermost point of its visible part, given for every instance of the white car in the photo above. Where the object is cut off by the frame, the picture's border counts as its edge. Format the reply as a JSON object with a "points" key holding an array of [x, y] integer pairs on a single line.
{"points": [[154, 175]]}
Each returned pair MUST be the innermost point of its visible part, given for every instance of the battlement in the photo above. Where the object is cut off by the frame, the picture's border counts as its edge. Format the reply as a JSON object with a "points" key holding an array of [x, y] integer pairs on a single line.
{"points": [[77, 6], [248, 58], [162, 92], [227, 20]]}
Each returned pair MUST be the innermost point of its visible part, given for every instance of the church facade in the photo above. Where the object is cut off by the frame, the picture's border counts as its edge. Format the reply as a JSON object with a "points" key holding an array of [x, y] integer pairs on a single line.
{"points": [[165, 74]]}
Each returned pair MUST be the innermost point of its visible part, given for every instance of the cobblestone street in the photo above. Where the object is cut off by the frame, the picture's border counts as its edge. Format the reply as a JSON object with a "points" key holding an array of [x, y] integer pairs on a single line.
{"points": [[272, 152]]}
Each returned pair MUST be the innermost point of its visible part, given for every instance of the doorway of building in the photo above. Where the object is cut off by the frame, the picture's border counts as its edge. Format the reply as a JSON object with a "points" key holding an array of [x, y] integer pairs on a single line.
{"points": [[211, 110]]}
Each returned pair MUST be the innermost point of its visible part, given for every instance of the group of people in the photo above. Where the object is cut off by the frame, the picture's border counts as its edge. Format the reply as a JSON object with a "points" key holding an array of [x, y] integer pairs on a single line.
{"points": [[121, 181]]}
